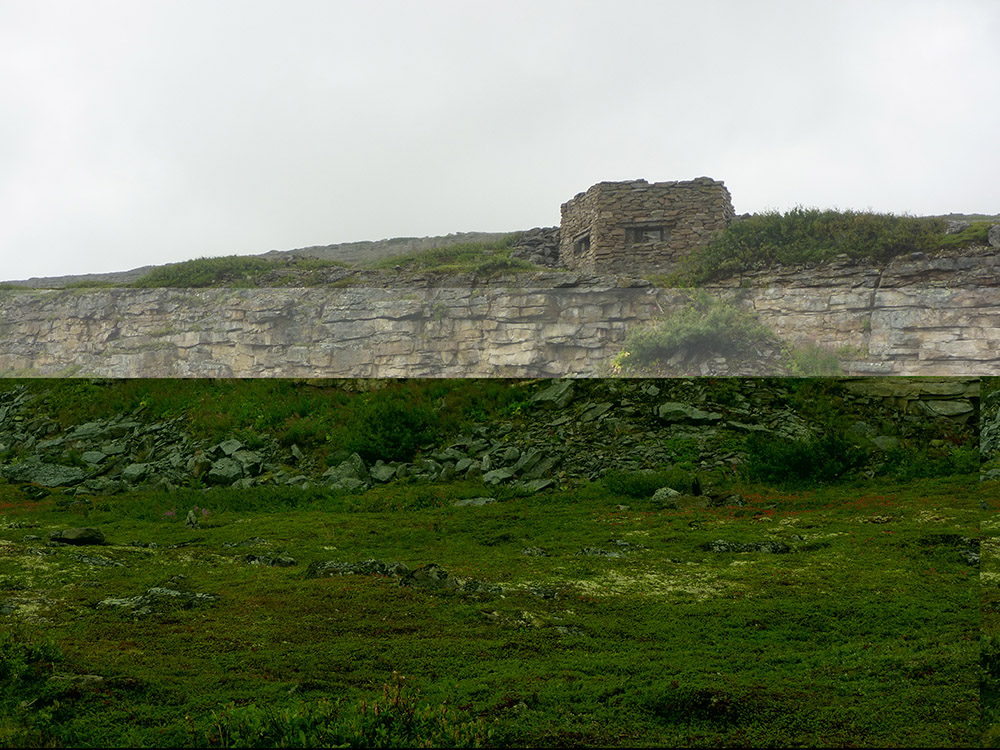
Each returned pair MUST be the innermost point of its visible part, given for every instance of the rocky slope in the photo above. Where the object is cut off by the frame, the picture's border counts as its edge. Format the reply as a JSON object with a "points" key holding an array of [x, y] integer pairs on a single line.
{"points": [[570, 430]]}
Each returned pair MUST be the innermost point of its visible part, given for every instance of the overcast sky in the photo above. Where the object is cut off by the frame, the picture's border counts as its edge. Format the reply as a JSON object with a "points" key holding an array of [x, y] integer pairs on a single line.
{"points": [[139, 132]]}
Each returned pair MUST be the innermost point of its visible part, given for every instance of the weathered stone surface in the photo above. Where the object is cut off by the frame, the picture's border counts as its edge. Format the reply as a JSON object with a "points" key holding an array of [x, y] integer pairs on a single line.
{"points": [[636, 227], [557, 395], [225, 471], [155, 598], [135, 473], [474, 502], [382, 472], [907, 317], [721, 545], [673, 411], [48, 475], [364, 567], [431, 576], [78, 536], [352, 468]]}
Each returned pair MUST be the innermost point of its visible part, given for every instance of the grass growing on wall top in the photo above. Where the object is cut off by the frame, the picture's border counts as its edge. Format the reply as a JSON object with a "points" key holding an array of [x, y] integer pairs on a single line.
{"points": [[809, 235], [467, 257]]}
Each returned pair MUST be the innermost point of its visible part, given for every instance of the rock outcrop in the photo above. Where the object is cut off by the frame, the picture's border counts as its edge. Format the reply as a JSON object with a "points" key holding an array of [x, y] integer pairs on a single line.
{"points": [[915, 315], [568, 429]]}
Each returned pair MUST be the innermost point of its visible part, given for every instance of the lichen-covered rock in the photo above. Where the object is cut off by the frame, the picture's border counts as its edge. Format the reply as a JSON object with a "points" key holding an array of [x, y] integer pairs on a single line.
{"points": [[78, 536], [364, 567], [34, 471]]}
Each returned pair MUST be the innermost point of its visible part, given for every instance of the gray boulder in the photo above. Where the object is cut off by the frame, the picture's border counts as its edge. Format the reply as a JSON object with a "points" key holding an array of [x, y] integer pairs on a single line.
{"points": [[474, 502], [675, 411], [136, 473], [557, 395], [721, 545], [352, 468], [156, 597], [364, 567], [251, 462], [993, 236], [33, 471], [228, 447], [382, 472], [225, 471], [78, 536], [431, 576], [272, 561], [496, 476]]}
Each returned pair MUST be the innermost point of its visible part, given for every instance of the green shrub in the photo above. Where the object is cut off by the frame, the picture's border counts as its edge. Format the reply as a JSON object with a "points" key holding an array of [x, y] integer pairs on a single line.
{"points": [[813, 360], [808, 235], [977, 234], [388, 427], [642, 484], [24, 661], [826, 459], [394, 720], [460, 257], [905, 464], [705, 324], [231, 270]]}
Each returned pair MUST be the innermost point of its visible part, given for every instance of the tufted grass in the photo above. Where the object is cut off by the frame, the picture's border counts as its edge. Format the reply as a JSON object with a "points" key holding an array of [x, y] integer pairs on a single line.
{"points": [[866, 635]]}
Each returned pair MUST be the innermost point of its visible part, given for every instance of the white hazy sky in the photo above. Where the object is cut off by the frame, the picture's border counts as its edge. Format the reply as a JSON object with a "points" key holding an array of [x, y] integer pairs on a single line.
{"points": [[135, 132]]}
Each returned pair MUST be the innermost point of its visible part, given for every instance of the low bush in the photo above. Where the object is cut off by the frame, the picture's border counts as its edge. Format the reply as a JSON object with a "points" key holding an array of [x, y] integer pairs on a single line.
{"points": [[780, 461], [390, 428], [231, 270], [808, 235], [642, 484], [704, 324], [812, 360], [906, 464], [394, 720], [461, 257]]}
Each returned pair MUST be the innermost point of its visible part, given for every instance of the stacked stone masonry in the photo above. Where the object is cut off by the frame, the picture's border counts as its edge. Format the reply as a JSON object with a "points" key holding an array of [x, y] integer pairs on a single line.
{"points": [[637, 227], [912, 316]]}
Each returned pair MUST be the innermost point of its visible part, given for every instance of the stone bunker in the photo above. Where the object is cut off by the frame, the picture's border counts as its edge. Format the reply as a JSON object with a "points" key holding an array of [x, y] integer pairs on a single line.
{"points": [[635, 226]]}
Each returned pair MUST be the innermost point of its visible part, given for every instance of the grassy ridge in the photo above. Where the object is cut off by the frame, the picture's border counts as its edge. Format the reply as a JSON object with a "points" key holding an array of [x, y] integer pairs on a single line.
{"points": [[484, 258], [810, 235]]}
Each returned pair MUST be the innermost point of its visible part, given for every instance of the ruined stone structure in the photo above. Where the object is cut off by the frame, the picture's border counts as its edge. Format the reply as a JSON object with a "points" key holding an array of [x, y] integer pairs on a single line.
{"points": [[915, 314], [635, 226]]}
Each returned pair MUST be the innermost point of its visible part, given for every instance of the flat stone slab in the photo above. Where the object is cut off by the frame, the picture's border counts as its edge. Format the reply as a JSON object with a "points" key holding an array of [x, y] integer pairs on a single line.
{"points": [[79, 536]]}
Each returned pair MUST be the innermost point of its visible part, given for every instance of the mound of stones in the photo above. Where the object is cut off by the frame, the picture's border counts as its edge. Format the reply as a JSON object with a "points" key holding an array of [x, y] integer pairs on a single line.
{"points": [[567, 429], [157, 598], [431, 577], [78, 536], [539, 246]]}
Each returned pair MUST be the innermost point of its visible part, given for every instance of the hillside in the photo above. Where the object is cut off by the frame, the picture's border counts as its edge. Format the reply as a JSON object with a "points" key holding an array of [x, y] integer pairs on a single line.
{"points": [[752, 241], [610, 563]]}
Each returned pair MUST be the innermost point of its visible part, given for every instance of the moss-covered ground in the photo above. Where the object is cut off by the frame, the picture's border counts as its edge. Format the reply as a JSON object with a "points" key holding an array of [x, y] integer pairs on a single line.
{"points": [[866, 633]]}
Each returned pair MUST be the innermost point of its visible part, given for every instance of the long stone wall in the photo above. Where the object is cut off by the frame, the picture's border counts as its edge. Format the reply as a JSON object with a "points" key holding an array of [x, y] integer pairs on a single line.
{"points": [[914, 316]]}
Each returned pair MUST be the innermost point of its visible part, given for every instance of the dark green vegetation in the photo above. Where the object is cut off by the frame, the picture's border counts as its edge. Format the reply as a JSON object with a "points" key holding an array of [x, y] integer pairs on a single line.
{"points": [[480, 258], [707, 326], [864, 634], [233, 271], [328, 420], [810, 235], [477, 258], [841, 609], [989, 674]]}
